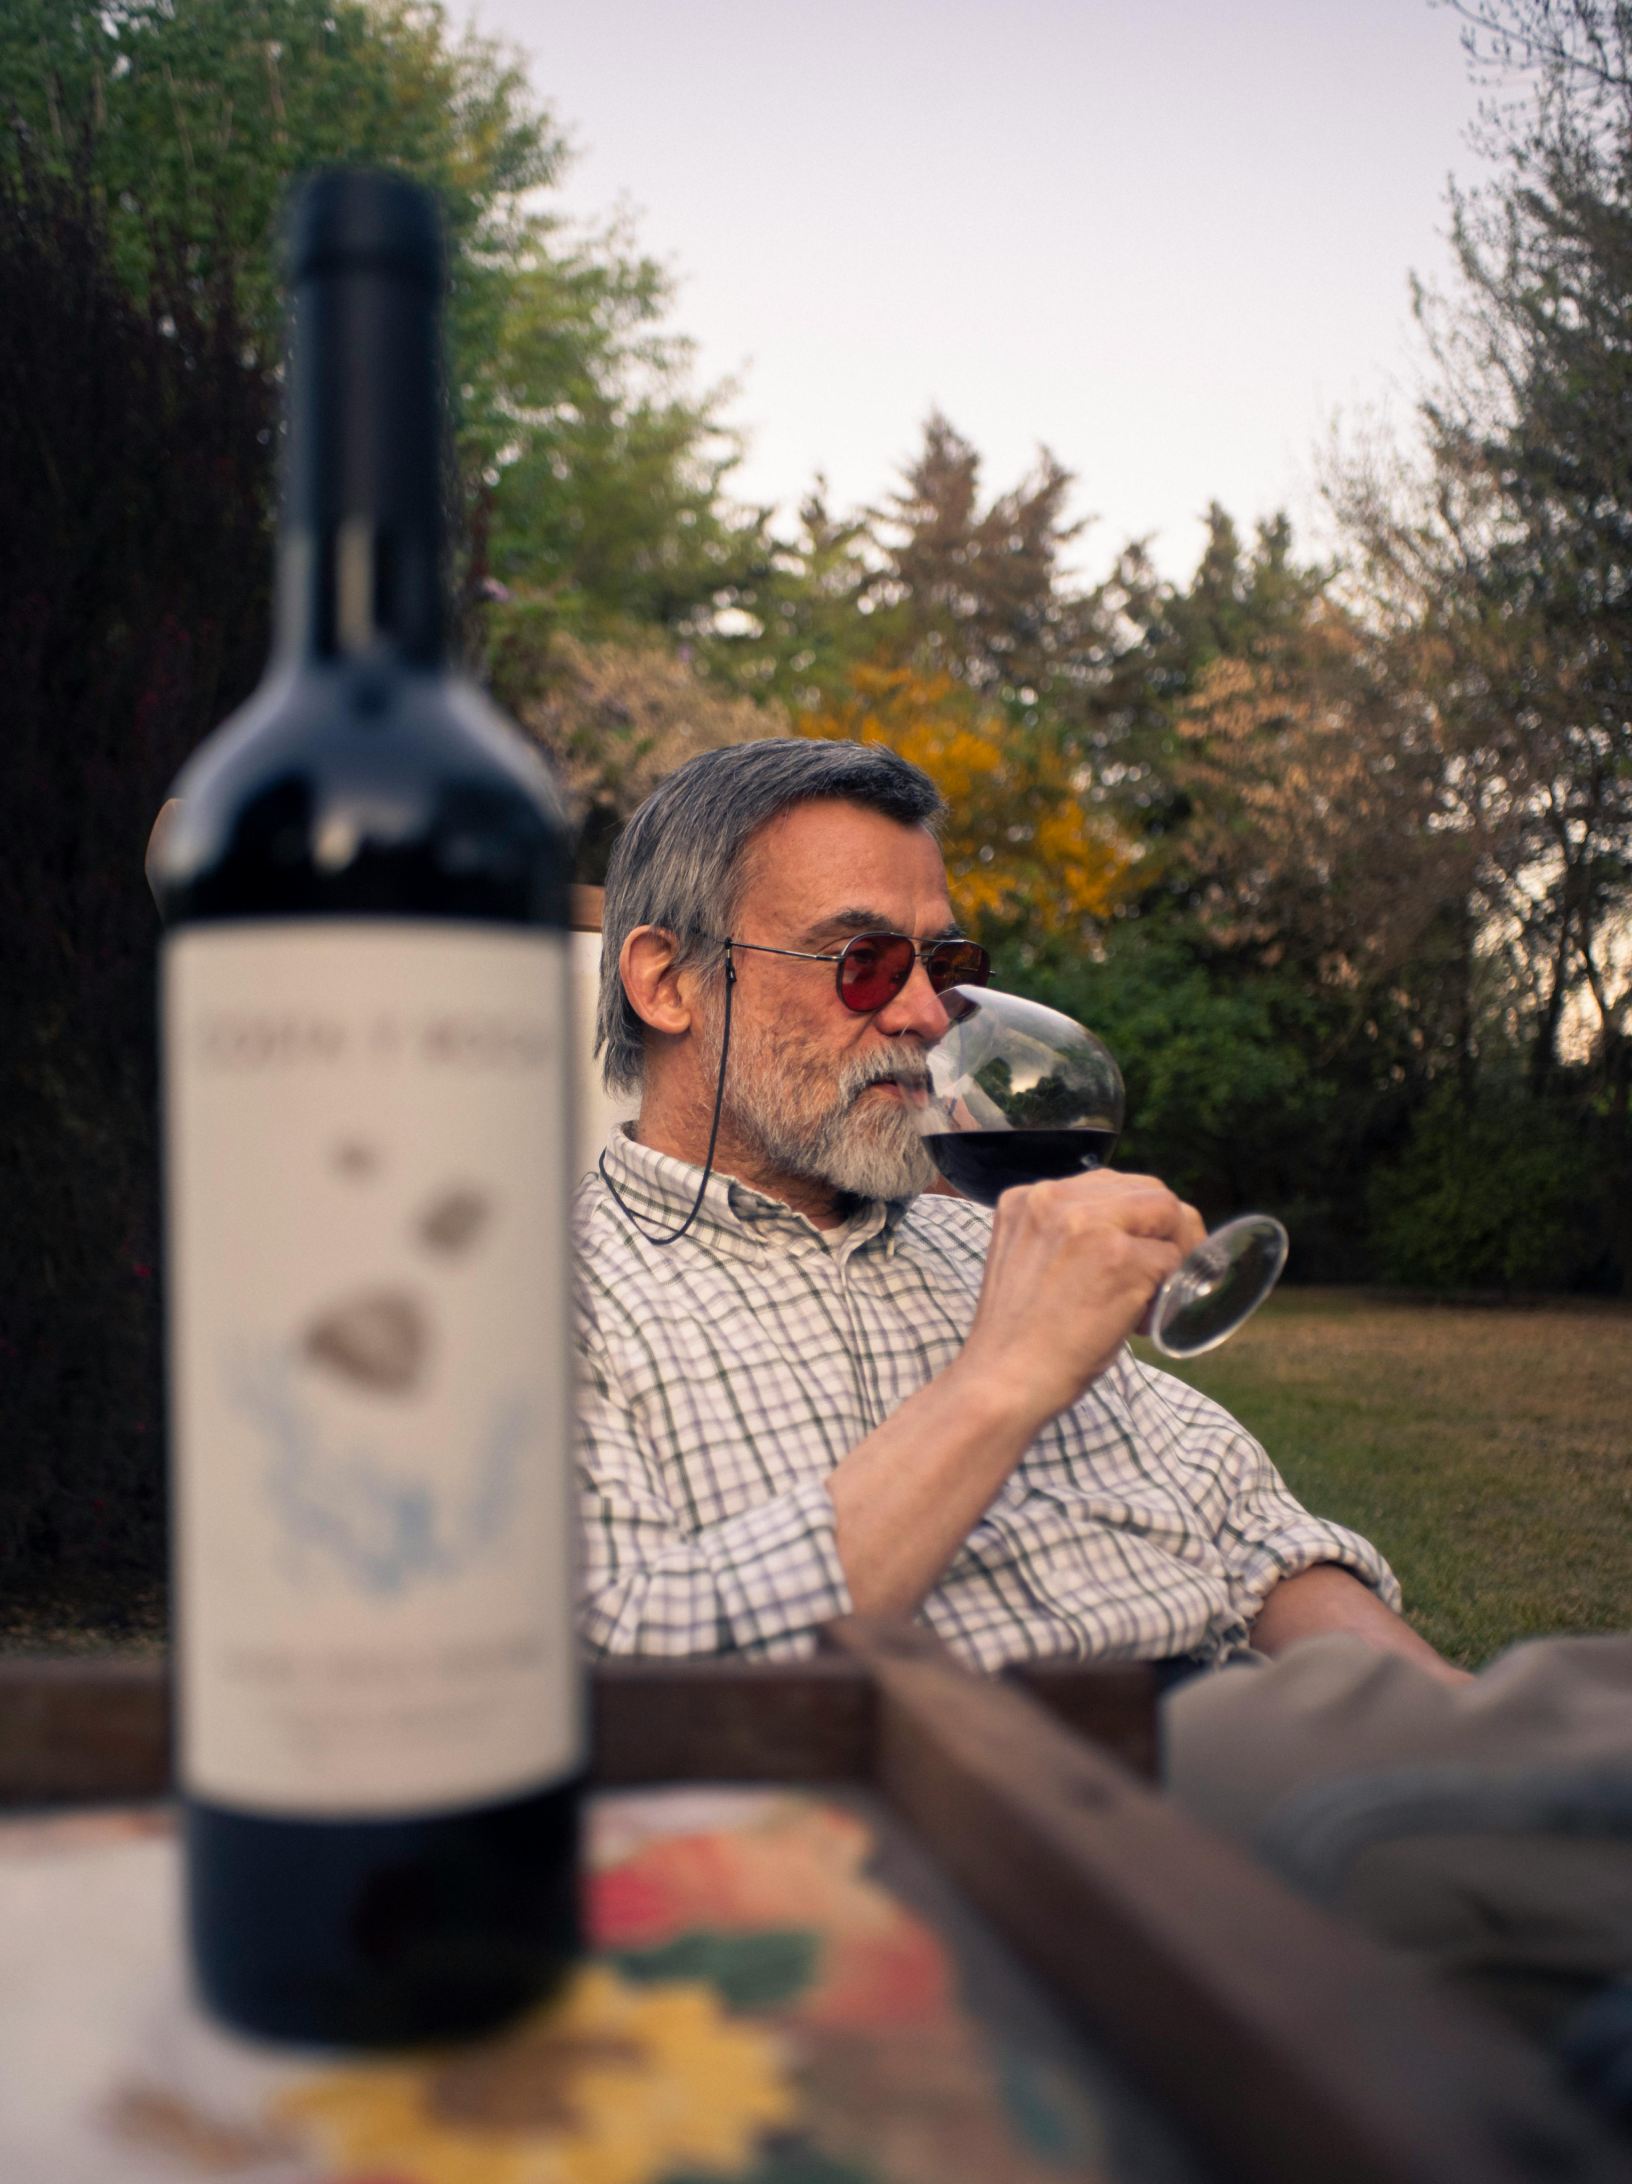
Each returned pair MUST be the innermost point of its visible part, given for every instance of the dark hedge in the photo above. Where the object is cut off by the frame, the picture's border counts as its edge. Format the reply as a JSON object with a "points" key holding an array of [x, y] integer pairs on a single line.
{"points": [[136, 460]]}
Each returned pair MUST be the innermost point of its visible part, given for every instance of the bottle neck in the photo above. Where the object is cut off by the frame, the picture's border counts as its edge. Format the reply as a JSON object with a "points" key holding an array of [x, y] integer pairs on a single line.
{"points": [[359, 545]]}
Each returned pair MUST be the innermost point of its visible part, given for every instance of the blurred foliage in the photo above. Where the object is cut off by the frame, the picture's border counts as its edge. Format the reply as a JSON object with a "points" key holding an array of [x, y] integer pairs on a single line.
{"points": [[1023, 851], [147, 149], [617, 719], [190, 117], [1312, 804], [983, 593], [1504, 1191], [935, 579], [1495, 573], [949, 630], [1239, 601], [133, 613], [585, 464]]}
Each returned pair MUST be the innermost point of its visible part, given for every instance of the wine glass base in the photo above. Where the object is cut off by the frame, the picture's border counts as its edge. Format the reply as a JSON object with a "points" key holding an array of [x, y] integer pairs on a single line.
{"points": [[1219, 1286]]}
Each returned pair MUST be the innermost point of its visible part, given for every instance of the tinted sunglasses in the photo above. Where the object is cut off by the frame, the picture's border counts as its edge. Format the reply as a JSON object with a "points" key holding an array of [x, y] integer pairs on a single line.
{"points": [[872, 969]]}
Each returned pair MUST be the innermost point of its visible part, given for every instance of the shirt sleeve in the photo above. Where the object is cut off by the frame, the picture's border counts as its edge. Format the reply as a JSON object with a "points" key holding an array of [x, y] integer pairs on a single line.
{"points": [[760, 1583], [1262, 1531]]}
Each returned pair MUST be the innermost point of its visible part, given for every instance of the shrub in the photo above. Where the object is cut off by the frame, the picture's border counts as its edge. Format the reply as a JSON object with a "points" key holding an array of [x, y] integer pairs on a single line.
{"points": [[135, 465], [1499, 1193]]}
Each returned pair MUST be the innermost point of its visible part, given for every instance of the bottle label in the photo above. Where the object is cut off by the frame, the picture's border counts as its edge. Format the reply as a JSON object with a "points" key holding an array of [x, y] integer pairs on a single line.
{"points": [[371, 1382]]}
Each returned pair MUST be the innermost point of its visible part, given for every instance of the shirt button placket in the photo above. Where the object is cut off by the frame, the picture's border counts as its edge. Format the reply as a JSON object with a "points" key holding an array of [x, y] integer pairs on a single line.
{"points": [[861, 1348]]}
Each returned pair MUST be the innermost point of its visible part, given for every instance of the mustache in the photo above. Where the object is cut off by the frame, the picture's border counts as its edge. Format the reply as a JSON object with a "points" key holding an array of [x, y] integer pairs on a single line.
{"points": [[905, 1068]]}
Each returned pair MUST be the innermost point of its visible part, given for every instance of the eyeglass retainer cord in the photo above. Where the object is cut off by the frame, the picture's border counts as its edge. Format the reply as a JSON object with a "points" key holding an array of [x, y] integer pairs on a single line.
{"points": [[635, 1220]]}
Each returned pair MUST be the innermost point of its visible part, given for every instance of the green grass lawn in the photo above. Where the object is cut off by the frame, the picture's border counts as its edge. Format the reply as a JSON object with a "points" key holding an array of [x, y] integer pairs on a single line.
{"points": [[1486, 1450]]}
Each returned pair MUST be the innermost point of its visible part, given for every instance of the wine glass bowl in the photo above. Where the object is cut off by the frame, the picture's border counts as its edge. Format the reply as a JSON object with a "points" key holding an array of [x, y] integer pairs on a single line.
{"points": [[1018, 1094]]}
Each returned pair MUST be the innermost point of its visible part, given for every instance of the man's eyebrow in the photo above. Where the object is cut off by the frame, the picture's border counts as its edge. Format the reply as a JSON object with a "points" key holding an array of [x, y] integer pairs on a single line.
{"points": [[859, 920], [868, 921]]}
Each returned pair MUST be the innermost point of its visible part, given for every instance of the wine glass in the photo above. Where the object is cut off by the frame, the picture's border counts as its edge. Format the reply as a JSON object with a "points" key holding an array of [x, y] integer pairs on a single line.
{"points": [[1019, 1093]]}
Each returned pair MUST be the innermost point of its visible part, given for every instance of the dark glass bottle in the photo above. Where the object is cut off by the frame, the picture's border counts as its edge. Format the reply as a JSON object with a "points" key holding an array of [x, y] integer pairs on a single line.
{"points": [[367, 1069]]}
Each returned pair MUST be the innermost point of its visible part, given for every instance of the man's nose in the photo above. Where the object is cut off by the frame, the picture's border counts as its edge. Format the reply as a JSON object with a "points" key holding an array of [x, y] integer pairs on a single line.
{"points": [[916, 1008]]}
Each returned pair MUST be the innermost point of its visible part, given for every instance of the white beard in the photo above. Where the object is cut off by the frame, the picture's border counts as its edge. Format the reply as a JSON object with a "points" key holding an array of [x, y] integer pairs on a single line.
{"points": [[809, 1120]]}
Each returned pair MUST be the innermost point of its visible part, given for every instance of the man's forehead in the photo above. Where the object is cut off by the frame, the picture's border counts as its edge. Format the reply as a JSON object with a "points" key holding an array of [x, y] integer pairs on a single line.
{"points": [[837, 863]]}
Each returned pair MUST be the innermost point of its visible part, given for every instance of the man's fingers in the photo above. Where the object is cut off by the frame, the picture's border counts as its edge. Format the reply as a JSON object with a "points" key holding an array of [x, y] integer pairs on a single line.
{"points": [[1142, 1205]]}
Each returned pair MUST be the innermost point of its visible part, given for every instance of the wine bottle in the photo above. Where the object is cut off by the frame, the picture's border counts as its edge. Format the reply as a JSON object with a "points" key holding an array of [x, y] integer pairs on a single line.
{"points": [[366, 1081]]}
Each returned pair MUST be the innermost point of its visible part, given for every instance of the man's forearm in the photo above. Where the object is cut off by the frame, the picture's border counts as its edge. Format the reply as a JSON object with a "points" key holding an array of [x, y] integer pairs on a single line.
{"points": [[1327, 1598], [1071, 1268], [908, 1496]]}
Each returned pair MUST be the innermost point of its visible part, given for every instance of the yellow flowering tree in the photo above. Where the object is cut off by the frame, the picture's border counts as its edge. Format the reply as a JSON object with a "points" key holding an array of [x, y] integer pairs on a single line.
{"points": [[1022, 849]]}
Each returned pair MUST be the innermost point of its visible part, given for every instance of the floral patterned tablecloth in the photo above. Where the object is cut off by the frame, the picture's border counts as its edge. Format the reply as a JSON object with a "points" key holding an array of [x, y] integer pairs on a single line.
{"points": [[781, 1993]]}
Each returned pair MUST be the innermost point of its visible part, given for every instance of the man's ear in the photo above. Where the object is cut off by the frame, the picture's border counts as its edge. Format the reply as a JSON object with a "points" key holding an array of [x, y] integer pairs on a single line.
{"points": [[646, 964]]}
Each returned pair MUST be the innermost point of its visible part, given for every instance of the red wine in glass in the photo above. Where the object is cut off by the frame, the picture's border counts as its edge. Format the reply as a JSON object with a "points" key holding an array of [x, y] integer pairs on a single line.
{"points": [[983, 1164]]}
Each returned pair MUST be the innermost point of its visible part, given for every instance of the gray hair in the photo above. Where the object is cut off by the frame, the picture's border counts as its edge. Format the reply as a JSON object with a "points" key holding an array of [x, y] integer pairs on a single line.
{"points": [[679, 863]]}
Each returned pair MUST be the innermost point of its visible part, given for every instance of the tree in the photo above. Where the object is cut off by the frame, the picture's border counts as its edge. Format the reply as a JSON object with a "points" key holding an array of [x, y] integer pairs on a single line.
{"points": [[934, 580], [602, 494], [195, 113], [148, 146], [1323, 830], [588, 470], [792, 623], [1499, 573], [1555, 294], [979, 593], [1023, 853], [1290, 964], [617, 719], [954, 634], [1240, 602], [1530, 436], [1236, 1091]]}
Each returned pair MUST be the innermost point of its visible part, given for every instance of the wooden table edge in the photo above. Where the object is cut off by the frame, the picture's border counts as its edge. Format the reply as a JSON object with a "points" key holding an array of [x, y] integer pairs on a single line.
{"points": [[1286, 2045]]}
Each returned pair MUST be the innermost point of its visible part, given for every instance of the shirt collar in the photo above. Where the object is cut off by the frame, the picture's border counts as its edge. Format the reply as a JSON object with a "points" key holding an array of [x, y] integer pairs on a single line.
{"points": [[661, 1191]]}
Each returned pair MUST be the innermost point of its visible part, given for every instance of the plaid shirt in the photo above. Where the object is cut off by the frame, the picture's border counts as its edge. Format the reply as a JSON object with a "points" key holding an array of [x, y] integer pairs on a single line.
{"points": [[724, 1376]]}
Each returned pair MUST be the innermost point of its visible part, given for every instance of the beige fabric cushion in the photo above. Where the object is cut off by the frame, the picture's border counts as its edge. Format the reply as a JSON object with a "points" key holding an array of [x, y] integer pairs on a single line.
{"points": [[1304, 1758], [1238, 1741]]}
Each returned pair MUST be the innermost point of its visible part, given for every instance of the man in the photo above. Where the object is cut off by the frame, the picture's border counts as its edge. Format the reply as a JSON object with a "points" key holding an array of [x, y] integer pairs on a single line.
{"points": [[809, 1389]]}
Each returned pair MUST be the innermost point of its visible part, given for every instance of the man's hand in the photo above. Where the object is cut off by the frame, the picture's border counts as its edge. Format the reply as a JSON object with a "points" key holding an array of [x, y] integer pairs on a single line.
{"points": [[1071, 1273]]}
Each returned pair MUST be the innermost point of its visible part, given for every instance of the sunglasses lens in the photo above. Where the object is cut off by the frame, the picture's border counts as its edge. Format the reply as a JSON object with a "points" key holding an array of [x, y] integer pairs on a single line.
{"points": [[958, 963], [873, 969]]}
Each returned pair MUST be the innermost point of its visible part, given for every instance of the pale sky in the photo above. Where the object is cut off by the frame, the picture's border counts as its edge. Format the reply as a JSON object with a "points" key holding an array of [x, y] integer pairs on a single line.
{"points": [[1170, 239]]}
